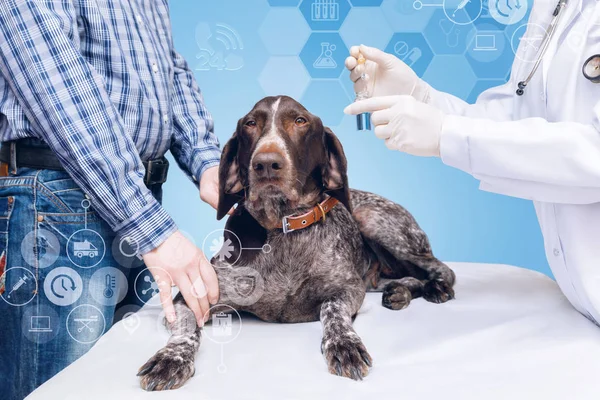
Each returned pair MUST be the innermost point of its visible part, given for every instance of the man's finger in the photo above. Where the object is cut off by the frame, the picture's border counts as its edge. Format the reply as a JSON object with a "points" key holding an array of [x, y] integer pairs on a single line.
{"points": [[381, 117], [209, 277], [187, 290], [351, 63], [383, 131], [374, 54], [199, 291], [373, 104], [355, 51], [163, 281]]}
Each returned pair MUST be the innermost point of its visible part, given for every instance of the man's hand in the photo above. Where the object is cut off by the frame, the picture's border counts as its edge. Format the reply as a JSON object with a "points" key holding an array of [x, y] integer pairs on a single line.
{"points": [[209, 187], [388, 74], [177, 261], [404, 123]]}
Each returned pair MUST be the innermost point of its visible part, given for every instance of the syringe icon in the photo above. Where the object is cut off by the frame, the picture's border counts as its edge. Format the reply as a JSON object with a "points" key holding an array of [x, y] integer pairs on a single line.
{"points": [[18, 285]]}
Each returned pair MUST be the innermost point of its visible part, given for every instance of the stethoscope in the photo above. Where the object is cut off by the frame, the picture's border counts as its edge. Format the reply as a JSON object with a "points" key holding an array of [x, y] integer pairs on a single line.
{"points": [[591, 67]]}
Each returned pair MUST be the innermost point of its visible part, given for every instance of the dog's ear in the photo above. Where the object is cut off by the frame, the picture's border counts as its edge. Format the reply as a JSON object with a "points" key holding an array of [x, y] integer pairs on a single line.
{"points": [[231, 187], [335, 170]]}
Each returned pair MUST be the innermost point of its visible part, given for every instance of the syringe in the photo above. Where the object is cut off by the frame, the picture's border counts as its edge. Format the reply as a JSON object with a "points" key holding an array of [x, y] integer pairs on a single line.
{"points": [[18, 285]]}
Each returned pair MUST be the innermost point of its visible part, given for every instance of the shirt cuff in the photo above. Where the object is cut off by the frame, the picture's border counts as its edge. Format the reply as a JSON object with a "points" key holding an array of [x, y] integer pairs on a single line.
{"points": [[148, 228], [203, 159], [454, 143]]}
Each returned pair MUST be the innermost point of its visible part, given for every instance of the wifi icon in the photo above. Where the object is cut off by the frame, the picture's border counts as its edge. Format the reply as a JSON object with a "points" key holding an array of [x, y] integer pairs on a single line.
{"points": [[220, 47]]}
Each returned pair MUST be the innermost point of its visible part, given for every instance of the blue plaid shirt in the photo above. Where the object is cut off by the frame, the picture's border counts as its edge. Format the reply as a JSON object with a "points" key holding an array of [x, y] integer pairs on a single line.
{"points": [[101, 83]]}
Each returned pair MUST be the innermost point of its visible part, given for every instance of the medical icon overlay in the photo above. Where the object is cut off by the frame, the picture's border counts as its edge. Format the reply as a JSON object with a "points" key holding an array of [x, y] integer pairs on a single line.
{"points": [[323, 55], [40, 248], [462, 12], [147, 286], [125, 251], [19, 286], [527, 40], [86, 323], [85, 247], [508, 12], [220, 48], [63, 286], [40, 323], [108, 286], [247, 286]]}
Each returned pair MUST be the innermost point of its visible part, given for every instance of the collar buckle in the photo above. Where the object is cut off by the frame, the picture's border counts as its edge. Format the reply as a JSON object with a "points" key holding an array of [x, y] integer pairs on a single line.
{"points": [[286, 225]]}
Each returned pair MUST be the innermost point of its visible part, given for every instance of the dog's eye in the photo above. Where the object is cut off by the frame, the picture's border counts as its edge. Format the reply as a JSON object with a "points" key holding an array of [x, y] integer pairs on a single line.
{"points": [[301, 121], [251, 123]]}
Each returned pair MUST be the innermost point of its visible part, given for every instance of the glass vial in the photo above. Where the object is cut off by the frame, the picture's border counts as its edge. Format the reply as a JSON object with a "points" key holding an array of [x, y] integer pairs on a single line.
{"points": [[363, 121]]}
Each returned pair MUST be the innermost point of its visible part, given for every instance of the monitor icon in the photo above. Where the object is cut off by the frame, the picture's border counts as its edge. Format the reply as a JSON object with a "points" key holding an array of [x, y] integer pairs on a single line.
{"points": [[485, 42], [40, 323]]}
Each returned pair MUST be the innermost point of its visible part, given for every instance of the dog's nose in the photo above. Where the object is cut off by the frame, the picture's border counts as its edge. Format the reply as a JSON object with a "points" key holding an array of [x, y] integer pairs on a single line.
{"points": [[268, 165]]}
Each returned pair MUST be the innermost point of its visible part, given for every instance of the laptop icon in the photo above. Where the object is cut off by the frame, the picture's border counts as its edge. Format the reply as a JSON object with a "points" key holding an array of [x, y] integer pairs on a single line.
{"points": [[40, 324], [485, 42]]}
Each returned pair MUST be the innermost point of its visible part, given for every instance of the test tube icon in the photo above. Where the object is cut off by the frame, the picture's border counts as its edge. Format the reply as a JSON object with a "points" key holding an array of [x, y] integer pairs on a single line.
{"points": [[363, 120]]}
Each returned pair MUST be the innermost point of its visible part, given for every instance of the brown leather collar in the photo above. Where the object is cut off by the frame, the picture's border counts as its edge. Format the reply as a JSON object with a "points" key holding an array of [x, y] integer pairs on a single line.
{"points": [[297, 222]]}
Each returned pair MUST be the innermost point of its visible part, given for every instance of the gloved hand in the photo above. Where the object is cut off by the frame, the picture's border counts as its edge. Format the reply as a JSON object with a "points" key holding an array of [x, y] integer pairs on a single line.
{"points": [[388, 74], [404, 123]]}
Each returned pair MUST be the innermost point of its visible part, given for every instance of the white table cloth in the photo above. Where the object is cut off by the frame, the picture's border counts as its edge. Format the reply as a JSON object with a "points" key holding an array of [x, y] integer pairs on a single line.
{"points": [[509, 334]]}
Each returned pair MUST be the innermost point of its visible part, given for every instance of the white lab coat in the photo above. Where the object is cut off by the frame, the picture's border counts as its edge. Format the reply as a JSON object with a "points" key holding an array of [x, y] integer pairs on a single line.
{"points": [[543, 146]]}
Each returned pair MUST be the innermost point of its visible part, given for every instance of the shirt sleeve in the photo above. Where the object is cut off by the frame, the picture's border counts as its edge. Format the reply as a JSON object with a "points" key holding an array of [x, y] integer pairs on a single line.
{"points": [[557, 162], [195, 146], [495, 103], [67, 105]]}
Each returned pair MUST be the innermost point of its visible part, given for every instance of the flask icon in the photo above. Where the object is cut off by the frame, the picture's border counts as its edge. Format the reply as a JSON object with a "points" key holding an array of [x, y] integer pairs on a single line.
{"points": [[325, 60]]}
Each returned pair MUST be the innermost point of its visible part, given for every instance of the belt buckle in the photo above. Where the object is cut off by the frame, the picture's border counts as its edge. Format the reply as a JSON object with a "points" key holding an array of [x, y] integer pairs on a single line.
{"points": [[285, 225]]}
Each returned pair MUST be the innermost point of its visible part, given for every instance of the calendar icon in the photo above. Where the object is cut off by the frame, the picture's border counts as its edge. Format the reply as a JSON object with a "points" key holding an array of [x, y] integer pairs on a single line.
{"points": [[222, 325], [325, 10]]}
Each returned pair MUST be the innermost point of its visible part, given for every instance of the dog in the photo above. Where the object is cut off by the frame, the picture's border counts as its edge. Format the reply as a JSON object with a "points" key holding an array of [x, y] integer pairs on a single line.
{"points": [[324, 244]]}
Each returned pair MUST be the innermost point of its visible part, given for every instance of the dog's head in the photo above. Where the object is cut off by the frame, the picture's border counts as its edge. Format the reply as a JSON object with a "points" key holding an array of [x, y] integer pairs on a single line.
{"points": [[281, 158]]}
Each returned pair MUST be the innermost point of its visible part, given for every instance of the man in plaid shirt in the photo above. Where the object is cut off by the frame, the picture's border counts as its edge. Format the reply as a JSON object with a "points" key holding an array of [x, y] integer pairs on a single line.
{"points": [[99, 85]]}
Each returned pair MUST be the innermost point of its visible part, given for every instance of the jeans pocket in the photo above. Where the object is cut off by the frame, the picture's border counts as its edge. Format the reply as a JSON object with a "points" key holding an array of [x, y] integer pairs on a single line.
{"points": [[6, 207]]}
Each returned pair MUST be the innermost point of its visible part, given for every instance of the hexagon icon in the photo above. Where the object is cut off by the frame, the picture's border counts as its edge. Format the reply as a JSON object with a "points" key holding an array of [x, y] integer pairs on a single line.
{"points": [[412, 48], [481, 86], [489, 52], [325, 15], [374, 28], [324, 55], [408, 15], [284, 31], [445, 36], [327, 100], [284, 75], [366, 3], [451, 74], [284, 3]]}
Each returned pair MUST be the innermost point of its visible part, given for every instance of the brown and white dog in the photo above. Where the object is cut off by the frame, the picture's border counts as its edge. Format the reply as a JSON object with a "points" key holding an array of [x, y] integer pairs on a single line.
{"points": [[327, 244]]}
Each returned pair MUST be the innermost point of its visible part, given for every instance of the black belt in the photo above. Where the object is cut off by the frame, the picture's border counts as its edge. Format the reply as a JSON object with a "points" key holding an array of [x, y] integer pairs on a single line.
{"points": [[17, 154]]}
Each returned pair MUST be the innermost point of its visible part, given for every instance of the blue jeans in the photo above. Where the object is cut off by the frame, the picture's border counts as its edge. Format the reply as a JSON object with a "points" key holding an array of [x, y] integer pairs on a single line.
{"points": [[66, 278]]}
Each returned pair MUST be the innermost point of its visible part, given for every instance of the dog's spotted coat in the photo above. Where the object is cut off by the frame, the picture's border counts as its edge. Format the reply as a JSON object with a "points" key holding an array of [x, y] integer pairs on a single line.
{"points": [[318, 273]]}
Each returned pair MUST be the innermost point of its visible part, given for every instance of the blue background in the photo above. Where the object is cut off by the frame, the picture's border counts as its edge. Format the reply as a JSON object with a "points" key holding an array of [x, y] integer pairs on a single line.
{"points": [[273, 46]]}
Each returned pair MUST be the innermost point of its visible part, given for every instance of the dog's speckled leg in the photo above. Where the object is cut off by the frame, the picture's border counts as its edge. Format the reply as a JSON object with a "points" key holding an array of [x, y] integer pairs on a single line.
{"points": [[342, 347], [173, 365]]}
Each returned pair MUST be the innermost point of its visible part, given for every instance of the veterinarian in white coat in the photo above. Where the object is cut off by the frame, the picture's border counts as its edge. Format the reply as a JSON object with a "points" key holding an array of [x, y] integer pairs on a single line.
{"points": [[542, 144]]}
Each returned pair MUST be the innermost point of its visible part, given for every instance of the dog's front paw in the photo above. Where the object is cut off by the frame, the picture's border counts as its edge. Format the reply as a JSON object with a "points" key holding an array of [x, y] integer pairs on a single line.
{"points": [[438, 291], [167, 369], [396, 296], [347, 356]]}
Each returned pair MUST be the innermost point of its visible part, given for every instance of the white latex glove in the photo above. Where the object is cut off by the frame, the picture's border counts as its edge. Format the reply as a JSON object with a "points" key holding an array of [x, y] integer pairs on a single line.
{"points": [[404, 123], [388, 75]]}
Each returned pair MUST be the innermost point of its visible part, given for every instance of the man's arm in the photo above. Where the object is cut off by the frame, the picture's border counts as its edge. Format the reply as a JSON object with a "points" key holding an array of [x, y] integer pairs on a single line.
{"points": [[195, 146], [556, 162], [67, 105]]}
